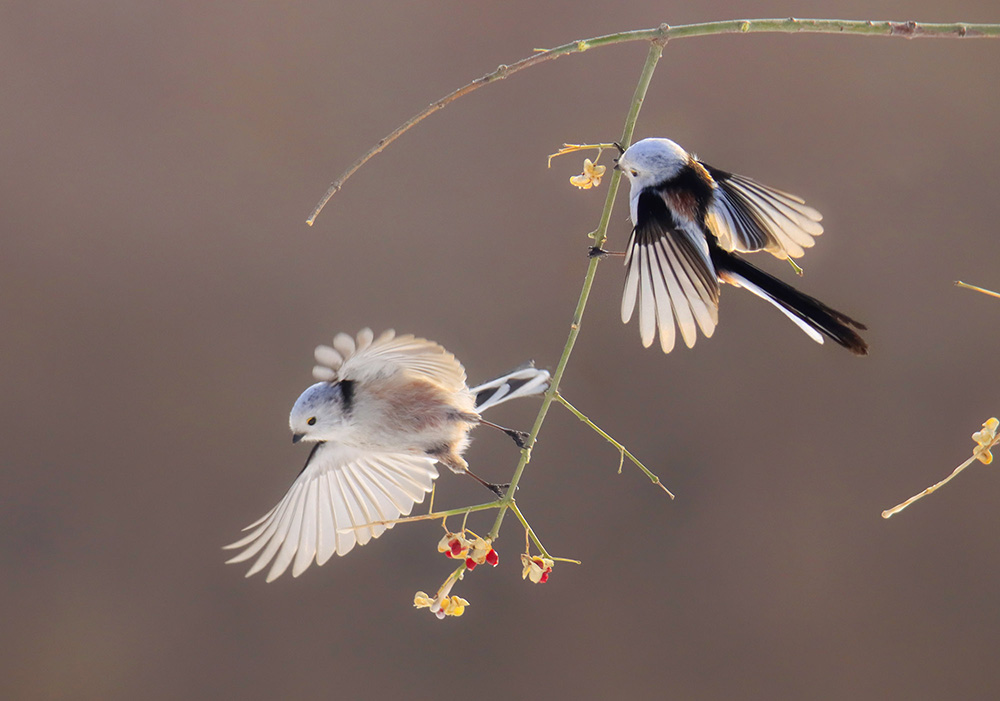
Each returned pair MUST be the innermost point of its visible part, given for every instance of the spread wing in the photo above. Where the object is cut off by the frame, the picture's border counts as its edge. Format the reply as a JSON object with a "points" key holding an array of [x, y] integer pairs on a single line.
{"points": [[338, 489], [747, 216], [371, 357], [669, 271]]}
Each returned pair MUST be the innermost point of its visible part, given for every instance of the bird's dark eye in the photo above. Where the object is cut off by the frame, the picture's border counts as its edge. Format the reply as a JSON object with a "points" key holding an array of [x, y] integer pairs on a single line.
{"points": [[312, 421], [634, 172]]}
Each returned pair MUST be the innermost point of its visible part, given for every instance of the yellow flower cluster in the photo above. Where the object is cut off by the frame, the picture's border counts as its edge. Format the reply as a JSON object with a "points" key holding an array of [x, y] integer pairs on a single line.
{"points": [[447, 606], [985, 440], [590, 177]]}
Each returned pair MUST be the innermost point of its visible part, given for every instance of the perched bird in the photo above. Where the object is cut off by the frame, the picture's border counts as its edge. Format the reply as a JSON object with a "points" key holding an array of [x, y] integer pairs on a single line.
{"points": [[689, 218], [384, 411]]}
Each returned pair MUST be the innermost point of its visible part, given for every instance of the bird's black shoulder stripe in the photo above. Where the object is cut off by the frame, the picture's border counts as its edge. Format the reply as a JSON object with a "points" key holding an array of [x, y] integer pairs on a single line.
{"points": [[692, 179], [347, 390], [690, 191]]}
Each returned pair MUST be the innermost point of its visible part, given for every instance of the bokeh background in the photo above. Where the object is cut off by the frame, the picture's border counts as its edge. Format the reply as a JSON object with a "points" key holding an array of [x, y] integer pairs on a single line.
{"points": [[160, 296]]}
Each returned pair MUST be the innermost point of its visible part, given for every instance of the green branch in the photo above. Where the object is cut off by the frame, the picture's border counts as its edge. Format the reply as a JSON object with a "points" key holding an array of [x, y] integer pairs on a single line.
{"points": [[655, 50], [662, 34]]}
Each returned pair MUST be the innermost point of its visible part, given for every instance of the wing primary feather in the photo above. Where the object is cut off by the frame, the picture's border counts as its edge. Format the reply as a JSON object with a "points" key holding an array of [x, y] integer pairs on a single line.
{"points": [[681, 304], [289, 539], [631, 279], [346, 536], [691, 282], [326, 536], [369, 503], [277, 537], [664, 311], [309, 533], [647, 304], [259, 538]]}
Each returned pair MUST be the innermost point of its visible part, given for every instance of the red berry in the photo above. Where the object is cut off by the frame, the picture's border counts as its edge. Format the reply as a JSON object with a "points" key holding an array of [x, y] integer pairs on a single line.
{"points": [[544, 579], [492, 557], [470, 563]]}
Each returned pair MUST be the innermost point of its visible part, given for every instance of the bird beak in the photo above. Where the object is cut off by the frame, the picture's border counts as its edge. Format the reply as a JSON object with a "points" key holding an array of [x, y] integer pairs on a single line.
{"points": [[616, 165], [296, 437]]}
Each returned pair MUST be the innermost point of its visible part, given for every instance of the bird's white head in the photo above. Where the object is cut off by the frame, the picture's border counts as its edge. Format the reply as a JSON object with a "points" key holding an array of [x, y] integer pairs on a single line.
{"points": [[652, 161], [320, 413]]}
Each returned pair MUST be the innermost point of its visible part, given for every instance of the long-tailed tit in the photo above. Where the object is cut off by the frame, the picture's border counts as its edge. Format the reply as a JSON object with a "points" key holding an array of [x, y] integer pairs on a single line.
{"points": [[384, 411], [688, 220]]}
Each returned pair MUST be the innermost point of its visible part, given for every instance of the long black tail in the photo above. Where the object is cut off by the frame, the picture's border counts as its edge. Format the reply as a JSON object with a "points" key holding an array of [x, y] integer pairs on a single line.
{"points": [[811, 315]]}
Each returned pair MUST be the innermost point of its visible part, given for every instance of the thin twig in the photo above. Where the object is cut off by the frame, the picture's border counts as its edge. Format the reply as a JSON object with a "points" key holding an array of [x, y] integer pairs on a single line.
{"points": [[662, 34], [530, 533], [985, 441], [991, 293], [466, 510], [899, 507], [621, 449]]}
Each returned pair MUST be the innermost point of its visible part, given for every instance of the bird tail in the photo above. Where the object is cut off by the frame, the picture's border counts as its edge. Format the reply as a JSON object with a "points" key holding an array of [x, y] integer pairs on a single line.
{"points": [[524, 381], [808, 313]]}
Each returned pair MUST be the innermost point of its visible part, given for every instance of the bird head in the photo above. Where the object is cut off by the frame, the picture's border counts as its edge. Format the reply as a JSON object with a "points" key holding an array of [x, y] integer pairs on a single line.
{"points": [[652, 161], [320, 412]]}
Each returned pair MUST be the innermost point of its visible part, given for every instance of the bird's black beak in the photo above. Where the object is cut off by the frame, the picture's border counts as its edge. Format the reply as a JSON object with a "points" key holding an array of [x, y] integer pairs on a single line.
{"points": [[616, 165], [296, 437], [619, 147]]}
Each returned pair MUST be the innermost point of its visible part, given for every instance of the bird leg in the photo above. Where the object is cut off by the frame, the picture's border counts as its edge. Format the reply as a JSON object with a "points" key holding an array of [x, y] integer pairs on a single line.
{"points": [[498, 489], [598, 252], [445, 454], [518, 437]]}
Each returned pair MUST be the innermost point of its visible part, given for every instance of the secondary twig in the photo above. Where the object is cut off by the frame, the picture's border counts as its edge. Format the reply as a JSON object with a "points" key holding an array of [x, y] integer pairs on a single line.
{"points": [[622, 450]]}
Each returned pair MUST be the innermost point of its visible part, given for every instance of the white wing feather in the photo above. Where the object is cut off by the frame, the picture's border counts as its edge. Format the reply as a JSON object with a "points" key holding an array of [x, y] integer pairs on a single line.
{"points": [[669, 272], [332, 505], [746, 216]]}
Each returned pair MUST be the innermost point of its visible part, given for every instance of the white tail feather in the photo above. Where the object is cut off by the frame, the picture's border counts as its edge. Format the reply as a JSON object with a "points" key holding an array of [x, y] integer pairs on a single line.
{"points": [[810, 330], [525, 381]]}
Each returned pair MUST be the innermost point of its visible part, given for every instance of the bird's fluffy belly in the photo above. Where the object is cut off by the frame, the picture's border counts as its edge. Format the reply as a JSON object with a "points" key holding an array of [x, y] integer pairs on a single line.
{"points": [[414, 417]]}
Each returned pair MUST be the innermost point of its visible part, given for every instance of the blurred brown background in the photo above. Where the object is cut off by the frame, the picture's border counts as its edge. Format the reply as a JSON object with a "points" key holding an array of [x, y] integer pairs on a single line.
{"points": [[160, 296]]}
